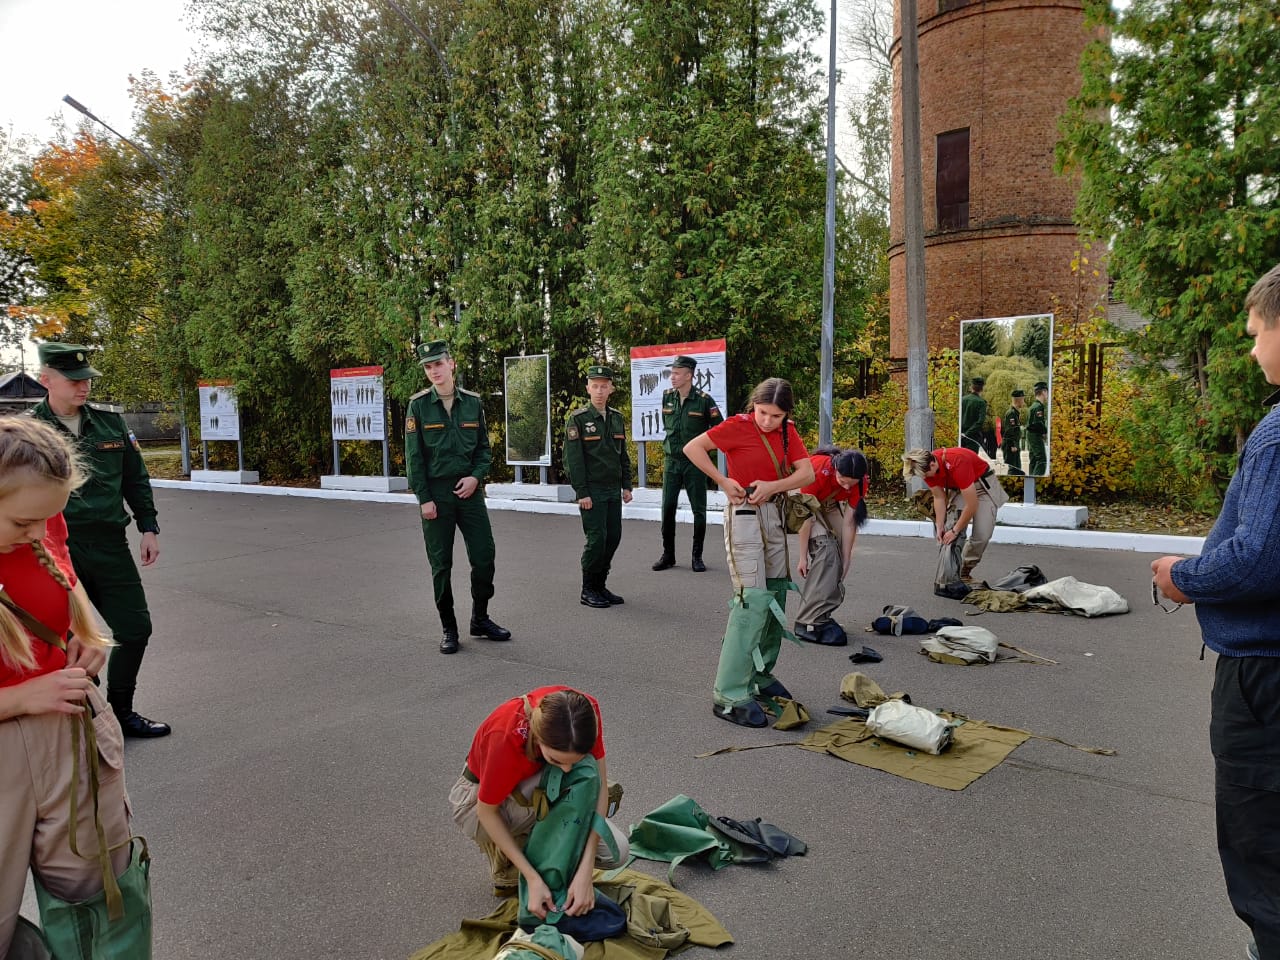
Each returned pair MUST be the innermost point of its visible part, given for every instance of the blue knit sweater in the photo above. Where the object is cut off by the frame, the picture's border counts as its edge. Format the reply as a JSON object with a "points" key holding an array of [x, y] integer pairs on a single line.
{"points": [[1235, 582]]}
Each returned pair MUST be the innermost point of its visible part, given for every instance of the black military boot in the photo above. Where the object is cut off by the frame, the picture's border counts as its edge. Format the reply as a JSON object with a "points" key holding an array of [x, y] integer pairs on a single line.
{"points": [[482, 625], [609, 595], [697, 565], [449, 641], [666, 561], [591, 596]]}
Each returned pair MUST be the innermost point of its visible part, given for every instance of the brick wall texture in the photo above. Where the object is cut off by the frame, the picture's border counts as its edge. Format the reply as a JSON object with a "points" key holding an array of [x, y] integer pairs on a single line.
{"points": [[1005, 69]]}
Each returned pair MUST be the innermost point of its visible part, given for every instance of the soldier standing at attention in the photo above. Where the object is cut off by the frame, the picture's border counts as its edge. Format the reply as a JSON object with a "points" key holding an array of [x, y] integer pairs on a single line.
{"points": [[1011, 434], [1037, 431], [973, 416], [599, 467], [686, 413], [97, 520], [446, 451]]}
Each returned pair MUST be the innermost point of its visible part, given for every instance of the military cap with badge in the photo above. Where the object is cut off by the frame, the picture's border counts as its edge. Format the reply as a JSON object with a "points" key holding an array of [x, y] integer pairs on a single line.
{"points": [[69, 359], [432, 350], [599, 372], [687, 362]]}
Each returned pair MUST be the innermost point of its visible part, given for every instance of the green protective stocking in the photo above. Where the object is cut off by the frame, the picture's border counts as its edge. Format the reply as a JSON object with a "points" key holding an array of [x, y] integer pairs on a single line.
{"points": [[741, 661], [774, 630]]}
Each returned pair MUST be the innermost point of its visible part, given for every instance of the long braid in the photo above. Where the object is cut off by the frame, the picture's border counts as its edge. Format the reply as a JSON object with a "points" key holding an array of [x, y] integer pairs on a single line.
{"points": [[33, 453]]}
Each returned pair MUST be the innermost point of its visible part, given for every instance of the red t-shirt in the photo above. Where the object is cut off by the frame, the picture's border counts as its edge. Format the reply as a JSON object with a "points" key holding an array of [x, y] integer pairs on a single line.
{"points": [[738, 438], [32, 588], [827, 488], [497, 756], [958, 468]]}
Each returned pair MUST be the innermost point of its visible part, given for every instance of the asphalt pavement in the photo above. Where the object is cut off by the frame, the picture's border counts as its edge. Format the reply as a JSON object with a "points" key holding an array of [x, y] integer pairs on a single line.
{"points": [[299, 809]]}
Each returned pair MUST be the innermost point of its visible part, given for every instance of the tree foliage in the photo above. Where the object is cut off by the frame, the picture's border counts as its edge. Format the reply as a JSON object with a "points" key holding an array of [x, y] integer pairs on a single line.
{"points": [[1175, 135]]}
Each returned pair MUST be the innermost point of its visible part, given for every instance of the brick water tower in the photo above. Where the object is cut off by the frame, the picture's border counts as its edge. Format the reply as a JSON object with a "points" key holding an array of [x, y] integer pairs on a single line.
{"points": [[995, 76]]}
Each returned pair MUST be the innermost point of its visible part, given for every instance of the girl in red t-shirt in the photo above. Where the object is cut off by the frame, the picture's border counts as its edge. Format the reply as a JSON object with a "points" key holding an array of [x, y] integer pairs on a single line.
{"points": [[550, 725], [756, 444], [826, 543], [42, 687], [964, 489]]}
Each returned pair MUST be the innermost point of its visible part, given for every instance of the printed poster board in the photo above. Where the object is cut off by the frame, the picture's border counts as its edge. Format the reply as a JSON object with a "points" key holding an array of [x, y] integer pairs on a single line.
{"points": [[219, 412], [357, 403], [651, 376]]}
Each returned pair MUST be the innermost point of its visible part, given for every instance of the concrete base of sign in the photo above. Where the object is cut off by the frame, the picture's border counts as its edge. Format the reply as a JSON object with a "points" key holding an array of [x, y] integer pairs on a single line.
{"points": [[550, 492], [378, 484], [225, 476], [1057, 516]]}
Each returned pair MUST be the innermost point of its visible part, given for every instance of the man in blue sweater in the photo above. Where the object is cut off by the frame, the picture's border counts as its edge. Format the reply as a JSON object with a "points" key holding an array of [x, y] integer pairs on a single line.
{"points": [[1235, 585]]}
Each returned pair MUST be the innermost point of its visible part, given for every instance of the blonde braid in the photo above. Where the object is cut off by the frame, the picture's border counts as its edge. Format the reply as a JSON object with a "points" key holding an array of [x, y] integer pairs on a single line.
{"points": [[32, 451], [83, 623]]}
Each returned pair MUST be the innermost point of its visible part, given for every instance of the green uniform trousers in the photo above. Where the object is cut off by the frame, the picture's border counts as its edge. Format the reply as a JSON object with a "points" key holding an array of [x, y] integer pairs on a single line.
{"points": [[104, 563], [602, 525], [471, 517], [1039, 465], [679, 474]]}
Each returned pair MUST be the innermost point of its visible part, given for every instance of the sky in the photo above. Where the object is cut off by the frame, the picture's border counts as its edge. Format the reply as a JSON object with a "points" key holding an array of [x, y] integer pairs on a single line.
{"points": [[85, 48]]}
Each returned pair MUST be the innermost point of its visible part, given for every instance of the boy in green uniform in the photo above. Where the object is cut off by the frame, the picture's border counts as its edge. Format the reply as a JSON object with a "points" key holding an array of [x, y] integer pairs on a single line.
{"points": [[686, 413], [599, 467], [446, 450], [1038, 431], [1011, 434], [97, 520], [973, 416]]}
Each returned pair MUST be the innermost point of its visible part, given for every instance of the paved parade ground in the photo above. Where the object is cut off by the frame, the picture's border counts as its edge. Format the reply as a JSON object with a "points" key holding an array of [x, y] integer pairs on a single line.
{"points": [[299, 810]]}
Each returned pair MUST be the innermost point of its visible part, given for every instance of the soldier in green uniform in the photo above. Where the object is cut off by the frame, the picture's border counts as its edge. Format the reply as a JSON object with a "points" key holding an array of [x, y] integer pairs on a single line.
{"points": [[686, 413], [1038, 431], [973, 416], [599, 468], [446, 450], [97, 520], [1011, 434]]}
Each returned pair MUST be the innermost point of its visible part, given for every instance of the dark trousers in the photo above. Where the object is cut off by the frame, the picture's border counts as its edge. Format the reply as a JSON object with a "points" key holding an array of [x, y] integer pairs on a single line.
{"points": [[1244, 733], [471, 518], [679, 474], [1039, 465], [602, 525], [104, 563]]}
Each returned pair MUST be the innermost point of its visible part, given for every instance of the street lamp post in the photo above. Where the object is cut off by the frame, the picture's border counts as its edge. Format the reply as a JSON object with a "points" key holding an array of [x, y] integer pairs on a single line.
{"points": [[184, 437], [826, 370]]}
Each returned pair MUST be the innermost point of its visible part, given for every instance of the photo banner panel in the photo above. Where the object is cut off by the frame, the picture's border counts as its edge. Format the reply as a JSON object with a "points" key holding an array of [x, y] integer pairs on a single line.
{"points": [[219, 412], [651, 376], [527, 408], [357, 403]]}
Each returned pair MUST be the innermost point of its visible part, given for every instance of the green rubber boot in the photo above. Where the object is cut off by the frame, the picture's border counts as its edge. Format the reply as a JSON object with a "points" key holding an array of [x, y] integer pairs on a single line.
{"points": [[775, 629], [740, 659]]}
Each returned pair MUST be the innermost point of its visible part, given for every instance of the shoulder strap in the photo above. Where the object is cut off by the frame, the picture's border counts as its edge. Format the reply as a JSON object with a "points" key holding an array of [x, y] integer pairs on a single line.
{"points": [[772, 456], [30, 621]]}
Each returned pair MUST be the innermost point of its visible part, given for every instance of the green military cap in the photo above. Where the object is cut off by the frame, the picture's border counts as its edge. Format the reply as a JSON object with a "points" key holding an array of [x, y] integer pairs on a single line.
{"points": [[978, 382], [687, 362], [1018, 393], [598, 372], [1040, 385], [69, 359], [435, 350]]}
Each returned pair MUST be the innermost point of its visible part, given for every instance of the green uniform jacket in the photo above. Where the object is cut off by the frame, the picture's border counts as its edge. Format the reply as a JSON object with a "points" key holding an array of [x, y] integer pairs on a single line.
{"points": [[595, 450], [1011, 432], [973, 417], [1035, 423], [684, 421], [117, 474], [445, 445]]}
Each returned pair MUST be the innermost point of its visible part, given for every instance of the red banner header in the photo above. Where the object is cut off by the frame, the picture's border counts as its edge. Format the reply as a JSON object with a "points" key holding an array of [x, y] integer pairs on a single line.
{"points": [[355, 372], [676, 349]]}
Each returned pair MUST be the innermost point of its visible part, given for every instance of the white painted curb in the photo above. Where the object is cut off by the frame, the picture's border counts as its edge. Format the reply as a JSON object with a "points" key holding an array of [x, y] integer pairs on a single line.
{"points": [[1034, 536]]}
